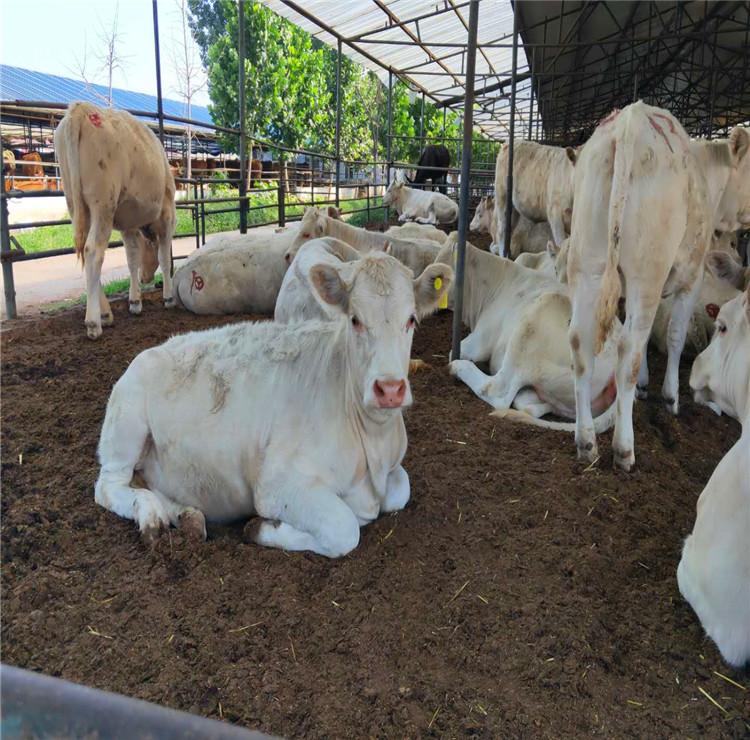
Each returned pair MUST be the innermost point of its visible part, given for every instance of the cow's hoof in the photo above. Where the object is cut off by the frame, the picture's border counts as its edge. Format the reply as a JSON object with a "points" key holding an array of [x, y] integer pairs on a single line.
{"points": [[108, 319], [641, 392], [671, 405], [170, 303], [151, 532], [624, 460], [252, 531], [193, 524], [93, 330], [587, 452], [136, 307]]}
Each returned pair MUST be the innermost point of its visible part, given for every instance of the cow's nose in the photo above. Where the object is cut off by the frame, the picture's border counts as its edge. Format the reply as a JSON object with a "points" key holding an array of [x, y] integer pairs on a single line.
{"points": [[390, 395], [288, 257]]}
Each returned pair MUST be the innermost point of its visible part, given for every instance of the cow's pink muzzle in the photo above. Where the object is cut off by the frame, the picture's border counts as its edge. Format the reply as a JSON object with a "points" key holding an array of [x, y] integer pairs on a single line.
{"points": [[389, 395]]}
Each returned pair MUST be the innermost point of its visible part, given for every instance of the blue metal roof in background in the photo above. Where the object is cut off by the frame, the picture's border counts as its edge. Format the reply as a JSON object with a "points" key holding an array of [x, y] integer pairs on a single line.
{"points": [[17, 83]]}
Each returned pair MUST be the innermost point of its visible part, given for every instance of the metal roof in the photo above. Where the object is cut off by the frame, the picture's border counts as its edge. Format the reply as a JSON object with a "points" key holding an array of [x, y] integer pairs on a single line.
{"points": [[424, 43], [688, 57], [17, 83]]}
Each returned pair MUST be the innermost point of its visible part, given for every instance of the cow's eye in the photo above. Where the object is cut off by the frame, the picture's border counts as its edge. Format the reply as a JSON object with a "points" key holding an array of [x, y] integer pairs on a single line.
{"points": [[306, 235], [356, 323], [721, 327], [411, 323]]}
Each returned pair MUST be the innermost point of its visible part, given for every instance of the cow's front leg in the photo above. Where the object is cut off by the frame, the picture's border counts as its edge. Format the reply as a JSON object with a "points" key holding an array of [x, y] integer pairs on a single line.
{"points": [[403, 217], [397, 490], [295, 518], [165, 262], [498, 391], [679, 320]]}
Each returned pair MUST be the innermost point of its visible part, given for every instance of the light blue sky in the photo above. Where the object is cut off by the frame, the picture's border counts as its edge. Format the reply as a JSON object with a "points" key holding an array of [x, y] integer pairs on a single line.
{"points": [[48, 35]]}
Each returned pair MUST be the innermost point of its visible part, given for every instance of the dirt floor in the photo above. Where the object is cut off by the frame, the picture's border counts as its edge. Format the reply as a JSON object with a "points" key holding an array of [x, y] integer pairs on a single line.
{"points": [[515, 596]]}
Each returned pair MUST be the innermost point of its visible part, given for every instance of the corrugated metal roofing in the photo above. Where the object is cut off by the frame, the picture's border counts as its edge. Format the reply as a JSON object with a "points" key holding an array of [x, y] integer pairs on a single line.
{"points": [[17, 83], [424, 41]]}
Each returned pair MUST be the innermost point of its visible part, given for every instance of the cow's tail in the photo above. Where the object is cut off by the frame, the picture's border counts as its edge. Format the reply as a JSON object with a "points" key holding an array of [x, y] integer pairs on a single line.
{"points": [[71, 169], [610, 288], [602, 423]]}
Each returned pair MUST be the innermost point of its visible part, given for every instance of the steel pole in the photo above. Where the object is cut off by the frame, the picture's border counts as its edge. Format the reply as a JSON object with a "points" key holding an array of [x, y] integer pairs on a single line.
{"points": [[159, 106], [8, 283], [389, 159], [421, 128], [509, 184], [463, 203], [338, 123], [531, 103], [243, 118]]}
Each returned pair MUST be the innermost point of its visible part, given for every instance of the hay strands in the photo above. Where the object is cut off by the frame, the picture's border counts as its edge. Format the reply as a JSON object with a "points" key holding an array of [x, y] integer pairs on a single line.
{"points": [[457, 594], [712, 700]]}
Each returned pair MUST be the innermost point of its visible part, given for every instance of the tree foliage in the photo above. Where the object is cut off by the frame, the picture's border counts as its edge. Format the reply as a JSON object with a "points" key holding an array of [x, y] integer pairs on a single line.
{"points": [[290, 80]]}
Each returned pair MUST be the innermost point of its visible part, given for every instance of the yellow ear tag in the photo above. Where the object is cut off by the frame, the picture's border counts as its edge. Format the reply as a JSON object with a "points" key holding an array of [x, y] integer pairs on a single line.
{"points": [[444, 300]]}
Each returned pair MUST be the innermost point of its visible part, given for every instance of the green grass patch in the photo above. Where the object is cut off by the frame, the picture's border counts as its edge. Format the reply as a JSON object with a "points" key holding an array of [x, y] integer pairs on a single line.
{"points": [[265, 211], [111, 288]]}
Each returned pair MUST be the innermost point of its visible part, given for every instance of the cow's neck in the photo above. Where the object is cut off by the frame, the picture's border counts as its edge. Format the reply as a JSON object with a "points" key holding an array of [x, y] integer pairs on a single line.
{"points": [[716, 164], [484, 278], [350, 234]]}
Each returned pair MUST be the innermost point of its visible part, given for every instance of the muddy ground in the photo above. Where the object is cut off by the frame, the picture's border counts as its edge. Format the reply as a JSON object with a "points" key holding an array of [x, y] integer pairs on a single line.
{"points": [[515, 596]]}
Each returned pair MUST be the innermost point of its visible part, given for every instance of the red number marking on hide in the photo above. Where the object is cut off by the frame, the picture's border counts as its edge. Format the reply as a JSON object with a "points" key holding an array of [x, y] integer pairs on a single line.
{"points": [[94, 118], [712, 310], [611, 117], [197, 282], [659, 130]]}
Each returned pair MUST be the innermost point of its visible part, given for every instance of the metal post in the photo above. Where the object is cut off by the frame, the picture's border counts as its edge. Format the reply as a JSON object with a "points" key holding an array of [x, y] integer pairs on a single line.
{"points": [[8, 282], [509, 185], [196, 217], [159, 106], [463, 208], [531, 104], [203, 213], [282, 192], [421, 129], [243, 120], [388, 139], [338, 123]]}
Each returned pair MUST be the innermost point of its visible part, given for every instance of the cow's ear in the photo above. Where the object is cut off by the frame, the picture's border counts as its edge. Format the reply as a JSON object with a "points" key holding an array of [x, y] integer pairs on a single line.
{"points": [[572, 154], [430, 287], [739, 139], [331, 288], [490, 201], [334, 212], [723, 267], [551, 249]]}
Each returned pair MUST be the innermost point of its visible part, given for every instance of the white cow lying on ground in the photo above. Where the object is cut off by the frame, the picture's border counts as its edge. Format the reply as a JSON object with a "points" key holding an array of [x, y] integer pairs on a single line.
{"points": [[414, 230], [518, 320], [414, 253], [216, 424], [726, 268], [714, 572], [640, 161], [543, 262], [298, 299], [527, 235], [234, 273], [116, 175], [419, 205], [543, 181]]}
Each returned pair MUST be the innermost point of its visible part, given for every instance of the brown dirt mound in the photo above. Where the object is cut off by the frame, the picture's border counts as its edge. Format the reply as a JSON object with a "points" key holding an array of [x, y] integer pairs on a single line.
{"points": [[513, 597]]}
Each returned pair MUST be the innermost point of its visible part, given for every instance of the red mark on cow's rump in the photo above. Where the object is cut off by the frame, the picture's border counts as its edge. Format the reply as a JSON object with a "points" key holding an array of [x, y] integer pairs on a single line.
{"points": [[94, 118], [197, 282], [660, 130], [712, 310], [611, 117]]}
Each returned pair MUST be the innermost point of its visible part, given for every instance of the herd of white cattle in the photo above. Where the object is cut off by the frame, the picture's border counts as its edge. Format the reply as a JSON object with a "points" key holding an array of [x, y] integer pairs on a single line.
{"points": [[298, 423]]}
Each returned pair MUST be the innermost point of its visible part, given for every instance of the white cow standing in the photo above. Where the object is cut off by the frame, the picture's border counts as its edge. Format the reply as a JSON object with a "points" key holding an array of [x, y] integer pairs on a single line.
{"points": [[419, 205], [714, 572], [653, 200], [300, 425], [116, 175], [543, 188]]}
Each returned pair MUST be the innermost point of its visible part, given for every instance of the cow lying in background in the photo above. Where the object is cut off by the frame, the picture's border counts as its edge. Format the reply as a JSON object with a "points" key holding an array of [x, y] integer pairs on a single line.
{"points": [[414, 253], [543, 262], [714, 572], [234, 273], [412, 230], [518, 320], [298, 299], [420, 206], [726, 268], [543, 180], [116, 175], [209, 422]]}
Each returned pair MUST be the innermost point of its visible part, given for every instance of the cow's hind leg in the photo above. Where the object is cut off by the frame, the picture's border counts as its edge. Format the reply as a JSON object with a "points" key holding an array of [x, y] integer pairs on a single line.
{"points": [[93, 252], [313, 519], [105, 309], [165, 262], [641, 386], [133, 255], [679, 321]]}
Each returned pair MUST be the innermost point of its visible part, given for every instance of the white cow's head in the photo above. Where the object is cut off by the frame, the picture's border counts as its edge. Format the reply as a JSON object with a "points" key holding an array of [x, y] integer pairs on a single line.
{"points": [[483, 216], [313, 225], [724, 267], [734, 209], [393, 193], [721, 373], [382, 304]]}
